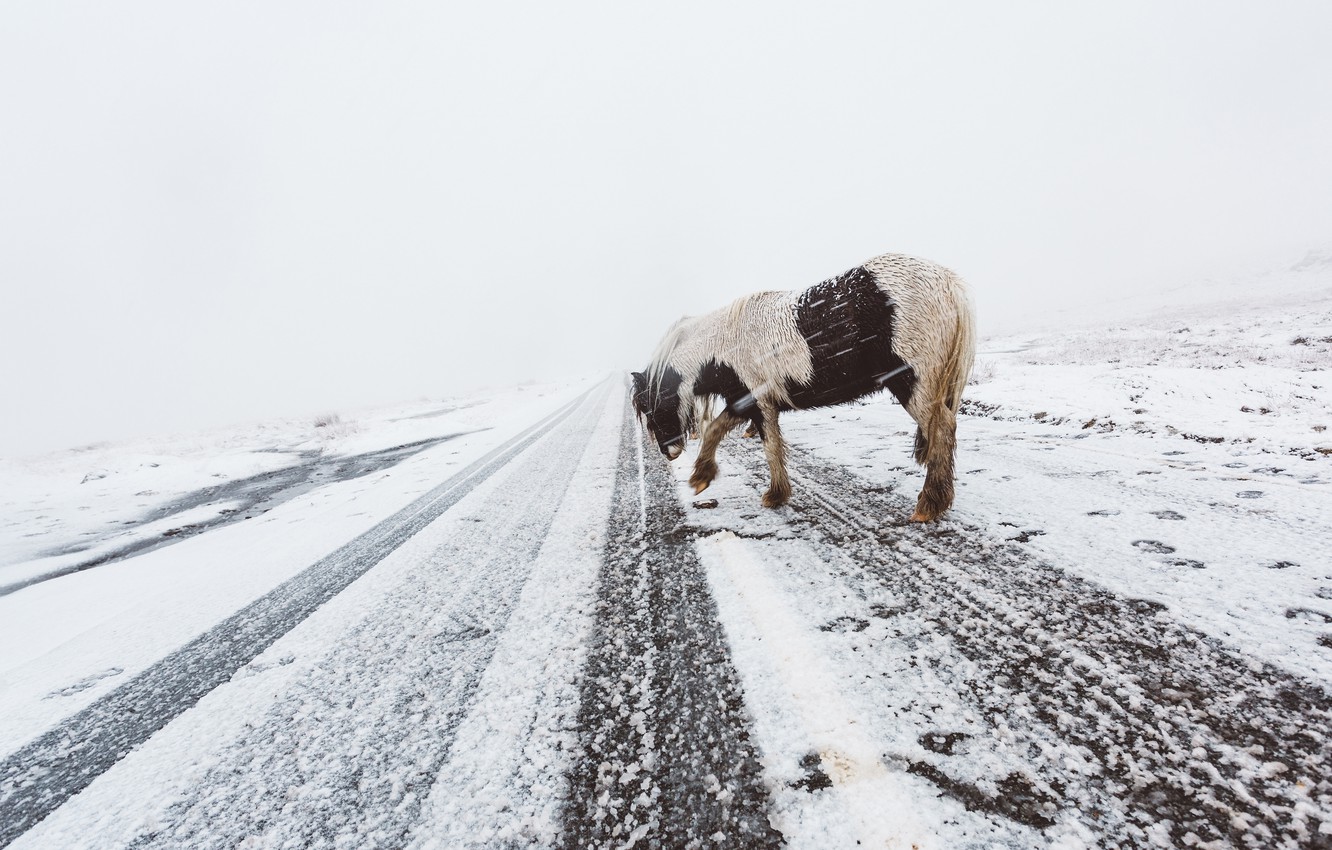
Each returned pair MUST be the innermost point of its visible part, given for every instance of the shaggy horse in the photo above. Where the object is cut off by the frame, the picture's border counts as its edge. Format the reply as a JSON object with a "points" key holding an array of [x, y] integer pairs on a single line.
{"points": [[894, 322]]}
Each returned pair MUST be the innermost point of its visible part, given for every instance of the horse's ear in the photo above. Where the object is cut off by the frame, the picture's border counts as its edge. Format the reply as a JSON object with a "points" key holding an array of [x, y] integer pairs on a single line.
{"points": [[640, 381]]}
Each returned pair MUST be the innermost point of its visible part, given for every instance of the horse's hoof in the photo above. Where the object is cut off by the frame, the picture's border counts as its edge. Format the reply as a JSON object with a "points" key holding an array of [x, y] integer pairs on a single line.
{"points": [[921, 516], [771, 500], [699, 486]]}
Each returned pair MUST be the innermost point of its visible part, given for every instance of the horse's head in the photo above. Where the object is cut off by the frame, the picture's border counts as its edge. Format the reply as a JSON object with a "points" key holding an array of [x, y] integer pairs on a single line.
{"points": [[658, 405]]}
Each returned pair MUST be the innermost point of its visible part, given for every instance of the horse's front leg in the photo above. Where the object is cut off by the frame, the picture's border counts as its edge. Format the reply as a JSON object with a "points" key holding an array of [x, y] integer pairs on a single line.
{"points": [[705, 467], [779, 489]]}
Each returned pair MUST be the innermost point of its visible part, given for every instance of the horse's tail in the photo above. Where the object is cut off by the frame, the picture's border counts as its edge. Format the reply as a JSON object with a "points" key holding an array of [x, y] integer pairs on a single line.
{"points": [[961, 354], [936, 436]]}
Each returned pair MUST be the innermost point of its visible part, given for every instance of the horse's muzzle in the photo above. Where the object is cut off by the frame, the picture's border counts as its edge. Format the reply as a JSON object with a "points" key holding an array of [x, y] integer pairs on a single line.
{"points": [[673, 451]]}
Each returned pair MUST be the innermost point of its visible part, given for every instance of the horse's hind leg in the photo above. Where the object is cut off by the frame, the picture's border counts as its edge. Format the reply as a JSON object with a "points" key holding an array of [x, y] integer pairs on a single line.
{"points": [[774, 447], [939, 437], [705, 467]]}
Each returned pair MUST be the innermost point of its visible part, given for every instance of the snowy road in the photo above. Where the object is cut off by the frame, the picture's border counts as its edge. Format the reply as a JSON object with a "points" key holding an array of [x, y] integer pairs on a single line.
{"points": [[58, 764], [555, 648], [1047, 708]]}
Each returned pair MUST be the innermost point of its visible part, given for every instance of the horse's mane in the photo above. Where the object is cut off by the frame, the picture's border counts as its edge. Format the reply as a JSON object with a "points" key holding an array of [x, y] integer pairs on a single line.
{"points": [[755, 334], [665, 350]]}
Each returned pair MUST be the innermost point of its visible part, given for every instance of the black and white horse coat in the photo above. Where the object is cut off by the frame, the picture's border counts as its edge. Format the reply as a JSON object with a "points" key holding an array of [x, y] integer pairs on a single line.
{"points": [[894, 322]]}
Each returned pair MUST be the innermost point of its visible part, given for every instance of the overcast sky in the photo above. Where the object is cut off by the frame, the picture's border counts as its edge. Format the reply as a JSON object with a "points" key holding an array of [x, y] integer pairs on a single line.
{"points": [[220, 212]]}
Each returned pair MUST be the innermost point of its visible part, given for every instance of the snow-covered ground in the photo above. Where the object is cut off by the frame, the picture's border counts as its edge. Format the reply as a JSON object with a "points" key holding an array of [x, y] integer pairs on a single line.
{"points": [[63, 508], [1184, 457], [1181, 461], [67, 640], [572, 651]]}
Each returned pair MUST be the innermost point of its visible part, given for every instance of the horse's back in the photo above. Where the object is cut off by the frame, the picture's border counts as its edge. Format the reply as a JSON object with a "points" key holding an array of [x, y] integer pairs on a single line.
{"points": [[906, 277], [834, 341]]}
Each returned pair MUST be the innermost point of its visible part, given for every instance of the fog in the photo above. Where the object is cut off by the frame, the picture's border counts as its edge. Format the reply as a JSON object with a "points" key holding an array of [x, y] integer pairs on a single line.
{"points": [[214, 213]]}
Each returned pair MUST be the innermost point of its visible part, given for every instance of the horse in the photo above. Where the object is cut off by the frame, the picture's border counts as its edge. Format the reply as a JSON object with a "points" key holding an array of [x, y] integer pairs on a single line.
{"points": [[893, 322]]}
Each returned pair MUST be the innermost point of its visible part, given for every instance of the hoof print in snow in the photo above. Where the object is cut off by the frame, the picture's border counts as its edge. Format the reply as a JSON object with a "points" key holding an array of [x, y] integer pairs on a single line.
{"points": [[815, 779], [1018, 800], [1187, 562], [1249, 494], [1175, 453], [1281, 565], [943, 743], [1167, 515], [845, 625], [1298, 697], [1236, 465], [256, 667], [1323, 593], [706, 503], [1308, 614], [780, 534], [1146, 606], [466, 633], [85, 683], [1156, 547], [1025, 536], [1104, 512]]}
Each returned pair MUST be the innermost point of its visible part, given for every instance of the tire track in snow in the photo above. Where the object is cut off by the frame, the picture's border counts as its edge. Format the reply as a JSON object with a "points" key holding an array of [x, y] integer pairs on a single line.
{"points": [[1142, 730], [812, 738], [667, 761], [43, 774], [348, 753], [504, 783]]}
